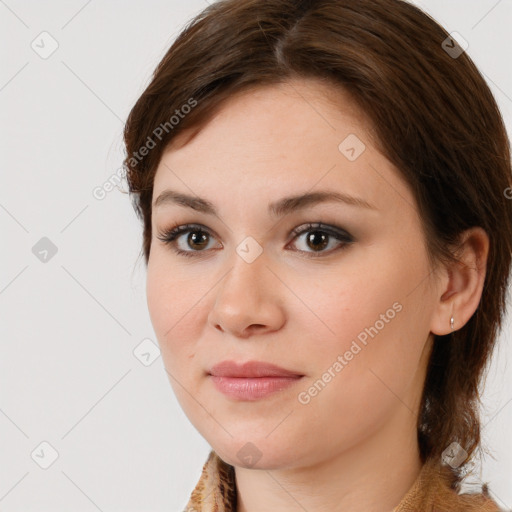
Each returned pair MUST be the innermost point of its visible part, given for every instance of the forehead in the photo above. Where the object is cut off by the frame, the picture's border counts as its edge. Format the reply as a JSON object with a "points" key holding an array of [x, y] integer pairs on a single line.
{"points": [[289, 136], [292, 100], [272, 122]]}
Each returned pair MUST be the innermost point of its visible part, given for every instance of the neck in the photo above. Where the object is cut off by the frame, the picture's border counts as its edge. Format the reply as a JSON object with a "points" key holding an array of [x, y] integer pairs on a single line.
{"points": [[372, 477]]}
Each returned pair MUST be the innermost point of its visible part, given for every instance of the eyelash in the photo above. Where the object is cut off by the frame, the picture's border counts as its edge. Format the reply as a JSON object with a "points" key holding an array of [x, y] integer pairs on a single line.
{"points": [[169, 236]]}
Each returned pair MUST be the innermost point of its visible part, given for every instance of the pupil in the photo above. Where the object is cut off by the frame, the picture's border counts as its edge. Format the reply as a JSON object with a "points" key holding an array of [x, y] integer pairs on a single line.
{"points": [[194, 238], [315, 240], [322, 238]]}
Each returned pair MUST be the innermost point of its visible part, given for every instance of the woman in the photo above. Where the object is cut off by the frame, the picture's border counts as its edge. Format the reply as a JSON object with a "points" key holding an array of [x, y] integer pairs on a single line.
{"points": [[328, 241]]}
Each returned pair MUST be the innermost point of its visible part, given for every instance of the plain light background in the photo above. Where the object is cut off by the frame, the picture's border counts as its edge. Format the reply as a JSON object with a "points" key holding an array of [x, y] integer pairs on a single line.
{"points": [[74, 386]]}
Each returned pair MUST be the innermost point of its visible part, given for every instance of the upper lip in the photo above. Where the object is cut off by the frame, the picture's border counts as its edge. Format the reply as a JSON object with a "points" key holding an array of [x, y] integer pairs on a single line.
{"points": [[250, 369]]}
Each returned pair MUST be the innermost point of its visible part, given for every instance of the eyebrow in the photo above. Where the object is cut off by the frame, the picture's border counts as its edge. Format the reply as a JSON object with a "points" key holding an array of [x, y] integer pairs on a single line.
{"points": [[277, 209]]}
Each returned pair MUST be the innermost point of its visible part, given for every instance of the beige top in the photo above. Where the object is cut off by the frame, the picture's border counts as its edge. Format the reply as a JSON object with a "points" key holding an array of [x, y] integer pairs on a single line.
{"points": [[216, 491]]}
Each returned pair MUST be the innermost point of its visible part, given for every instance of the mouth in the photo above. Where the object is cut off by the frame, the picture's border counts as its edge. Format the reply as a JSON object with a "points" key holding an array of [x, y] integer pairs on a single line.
{"points": [[250, 369], [253, 388], [252, 380]]}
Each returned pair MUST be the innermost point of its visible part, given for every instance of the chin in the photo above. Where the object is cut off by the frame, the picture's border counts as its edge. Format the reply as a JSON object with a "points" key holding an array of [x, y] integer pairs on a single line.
{"points": [[256, 455]]}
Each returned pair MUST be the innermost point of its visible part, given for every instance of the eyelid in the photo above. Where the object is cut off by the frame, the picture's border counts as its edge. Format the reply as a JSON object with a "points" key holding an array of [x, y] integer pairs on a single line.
{"points": [[172, 234], [343, 237], [323, 227]]}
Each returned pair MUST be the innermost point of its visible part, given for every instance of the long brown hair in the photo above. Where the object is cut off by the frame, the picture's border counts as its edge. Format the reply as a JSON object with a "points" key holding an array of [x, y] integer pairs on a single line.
{"points": [[434, 118]]}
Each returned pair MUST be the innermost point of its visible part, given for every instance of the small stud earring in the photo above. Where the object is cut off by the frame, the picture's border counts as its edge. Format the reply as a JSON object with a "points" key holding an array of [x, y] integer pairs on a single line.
{"points": [[451, 322]]}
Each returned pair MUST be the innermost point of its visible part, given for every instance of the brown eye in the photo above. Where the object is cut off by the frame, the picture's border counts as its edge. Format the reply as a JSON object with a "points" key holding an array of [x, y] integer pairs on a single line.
{"points": [[196, 242], [318, 237], [317, 240]]}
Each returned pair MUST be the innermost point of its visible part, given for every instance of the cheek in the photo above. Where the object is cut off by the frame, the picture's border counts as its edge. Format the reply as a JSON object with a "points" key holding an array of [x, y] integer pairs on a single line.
{"points": [[373, 316], [160, 298], [363, 365], [171, 299], [350, 300]]}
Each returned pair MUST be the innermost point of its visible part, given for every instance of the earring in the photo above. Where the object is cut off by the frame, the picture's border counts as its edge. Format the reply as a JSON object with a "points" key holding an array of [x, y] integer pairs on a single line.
{"points": [[451, 322]]}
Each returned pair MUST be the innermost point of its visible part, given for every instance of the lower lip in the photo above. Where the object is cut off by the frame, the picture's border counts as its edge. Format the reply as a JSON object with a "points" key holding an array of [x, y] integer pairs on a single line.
{"points": [[252, 388]]}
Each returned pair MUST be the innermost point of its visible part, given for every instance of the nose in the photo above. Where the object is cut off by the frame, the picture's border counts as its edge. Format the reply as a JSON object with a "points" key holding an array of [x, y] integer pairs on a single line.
{"points": [[247, 299]]}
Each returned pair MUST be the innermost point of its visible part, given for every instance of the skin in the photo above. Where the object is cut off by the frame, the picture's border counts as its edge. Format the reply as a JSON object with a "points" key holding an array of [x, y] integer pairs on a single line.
{"points": [[353, 446]]}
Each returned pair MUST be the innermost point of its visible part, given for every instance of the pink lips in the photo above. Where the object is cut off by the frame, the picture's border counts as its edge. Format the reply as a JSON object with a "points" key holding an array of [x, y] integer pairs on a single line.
{"points": [[251, 380]]}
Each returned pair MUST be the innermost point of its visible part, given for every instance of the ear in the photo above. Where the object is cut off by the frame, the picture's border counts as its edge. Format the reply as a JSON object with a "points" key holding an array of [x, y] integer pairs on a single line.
{"points": [[460, 288]]}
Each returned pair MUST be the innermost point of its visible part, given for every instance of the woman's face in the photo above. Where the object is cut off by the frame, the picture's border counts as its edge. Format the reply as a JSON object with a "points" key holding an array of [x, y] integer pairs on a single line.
{"points": [[347, 305]]}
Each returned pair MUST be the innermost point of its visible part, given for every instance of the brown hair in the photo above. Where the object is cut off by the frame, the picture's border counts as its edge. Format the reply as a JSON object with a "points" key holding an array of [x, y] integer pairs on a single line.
{"points": [[434, 118]]}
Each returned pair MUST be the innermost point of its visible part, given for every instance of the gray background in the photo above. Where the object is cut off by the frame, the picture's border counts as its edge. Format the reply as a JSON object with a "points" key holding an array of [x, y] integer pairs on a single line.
{"points": [[71, 370]]}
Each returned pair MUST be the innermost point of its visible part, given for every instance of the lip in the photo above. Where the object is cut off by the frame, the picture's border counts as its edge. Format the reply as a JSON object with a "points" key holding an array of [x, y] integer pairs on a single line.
{"points": [[254, 388], [251, 380], [250, 369]]}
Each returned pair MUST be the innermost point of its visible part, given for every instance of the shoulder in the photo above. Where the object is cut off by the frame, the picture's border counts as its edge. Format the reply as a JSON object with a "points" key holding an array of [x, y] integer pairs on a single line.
{"points": [[477, 502], [433, 492], [216, 488]]}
